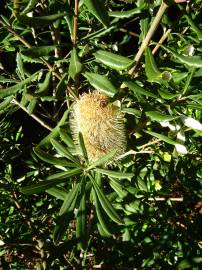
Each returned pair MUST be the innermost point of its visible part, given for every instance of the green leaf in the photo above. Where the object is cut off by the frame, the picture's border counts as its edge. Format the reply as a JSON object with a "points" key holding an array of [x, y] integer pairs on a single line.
{"points": [[118, 188], [156, 116], [44, 86], [62, 86], [55, 132], [75, 66], [152, 72], [66, 138], [167, 95], [31, 5], [119, 175], [57, 193], [6, 103], [103, 160], [161, 137], [32, 105], [97, 8], [107, 206], [51, 159], [126, 13], [20, 65], [192, 61], [6, 80], [194, 27], [38, 22], [36, 52], [82, 147], [101, 83], [113, 60], [61, 226], [137, 89], [81, 219], [50, 181], [70, 200], [18, 87], [101, 215], [62, 150], [64, 175]]}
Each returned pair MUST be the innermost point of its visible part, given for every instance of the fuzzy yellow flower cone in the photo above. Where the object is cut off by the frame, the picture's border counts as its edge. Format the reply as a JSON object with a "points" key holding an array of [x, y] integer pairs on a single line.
{"points": [[101, 124]]}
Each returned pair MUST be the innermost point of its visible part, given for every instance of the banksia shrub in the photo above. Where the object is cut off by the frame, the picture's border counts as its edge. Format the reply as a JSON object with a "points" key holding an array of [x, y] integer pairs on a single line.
{"points": [[101, 124]]}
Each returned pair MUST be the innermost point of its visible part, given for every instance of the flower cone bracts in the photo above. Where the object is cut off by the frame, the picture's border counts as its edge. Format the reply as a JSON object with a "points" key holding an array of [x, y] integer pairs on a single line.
{"points": [[101, 124]]}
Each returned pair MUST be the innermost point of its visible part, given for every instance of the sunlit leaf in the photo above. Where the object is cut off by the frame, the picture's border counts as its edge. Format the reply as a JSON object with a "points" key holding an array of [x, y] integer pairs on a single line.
{"points": [[113, 60], [101, 83], [97, 8]]}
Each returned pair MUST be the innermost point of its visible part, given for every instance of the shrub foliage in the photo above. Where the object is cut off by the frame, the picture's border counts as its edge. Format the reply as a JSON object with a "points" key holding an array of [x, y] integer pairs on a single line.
{"points": [[59, 210]]}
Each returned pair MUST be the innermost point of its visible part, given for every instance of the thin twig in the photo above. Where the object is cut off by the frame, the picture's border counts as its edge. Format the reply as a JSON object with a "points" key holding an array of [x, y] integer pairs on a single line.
{"points": [[158, 199], [29, 46], [132, 152], [41, 122], [149, 143], [149, 35], [74, 38], [164, 36], [129, 32]]}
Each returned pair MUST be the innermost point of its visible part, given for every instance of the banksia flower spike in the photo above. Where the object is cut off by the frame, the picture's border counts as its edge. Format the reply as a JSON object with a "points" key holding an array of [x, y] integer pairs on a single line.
{"points": [[101, 124]]}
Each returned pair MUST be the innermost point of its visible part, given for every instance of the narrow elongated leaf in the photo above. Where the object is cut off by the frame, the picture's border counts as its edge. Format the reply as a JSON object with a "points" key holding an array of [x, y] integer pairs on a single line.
{"points": [[60, 228], [20, 65], [69, 202], [40, 187], [119, 175], [32, 105], [152, 72], [101, 83], [81, 219], [62, 86], [36, 52], [167, 95], [62, 150], [192, 61], [107, 206], [126, 13], [194, 27], [18, 87], [6, 80], [41, 21], [75, 66], [113, 60], [118, 188], [82, 147], [51, 159], [55, 132], [136, 88], [31, 4], [162, 137], [66, 138], [101, 215], [57, 193], [156, 116], [51, 181], [44, 86], [103, 160], [6, 103], [97, 8], [64, 175]]}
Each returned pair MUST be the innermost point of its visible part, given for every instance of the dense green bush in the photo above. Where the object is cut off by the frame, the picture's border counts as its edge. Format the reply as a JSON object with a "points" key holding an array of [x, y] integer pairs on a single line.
{"points": [[59, 210]]}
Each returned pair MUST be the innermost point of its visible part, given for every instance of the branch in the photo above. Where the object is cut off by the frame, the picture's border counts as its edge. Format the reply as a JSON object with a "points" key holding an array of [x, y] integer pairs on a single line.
{"points": [[149, 35], [74, 38], [32, 115]]}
